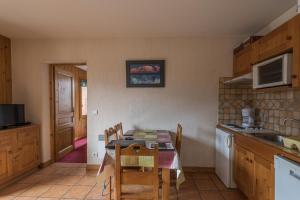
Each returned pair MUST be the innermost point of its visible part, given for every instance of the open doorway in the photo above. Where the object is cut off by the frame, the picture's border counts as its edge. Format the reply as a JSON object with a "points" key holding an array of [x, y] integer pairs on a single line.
{"points": [[68, 96]]}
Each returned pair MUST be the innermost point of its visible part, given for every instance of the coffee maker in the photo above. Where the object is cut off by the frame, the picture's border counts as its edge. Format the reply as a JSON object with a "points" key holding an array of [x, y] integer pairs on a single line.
{"points": [[248, 115]]}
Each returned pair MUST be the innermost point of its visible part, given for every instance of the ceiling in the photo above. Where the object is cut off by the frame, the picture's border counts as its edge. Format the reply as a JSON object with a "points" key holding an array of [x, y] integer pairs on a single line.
{"points": [[136, 18]]}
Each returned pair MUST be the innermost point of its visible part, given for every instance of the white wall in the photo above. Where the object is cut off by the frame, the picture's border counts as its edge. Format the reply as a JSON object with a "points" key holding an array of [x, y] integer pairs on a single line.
{"points": [[193, 67], [293, 11]]}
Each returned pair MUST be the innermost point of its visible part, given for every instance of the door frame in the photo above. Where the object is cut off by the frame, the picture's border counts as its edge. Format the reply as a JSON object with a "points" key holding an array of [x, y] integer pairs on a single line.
{"points": [[52, 106]]}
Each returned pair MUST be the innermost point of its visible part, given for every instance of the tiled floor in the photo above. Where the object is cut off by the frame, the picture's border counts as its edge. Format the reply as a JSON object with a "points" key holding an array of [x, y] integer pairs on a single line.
{"points": [[72, 181]]}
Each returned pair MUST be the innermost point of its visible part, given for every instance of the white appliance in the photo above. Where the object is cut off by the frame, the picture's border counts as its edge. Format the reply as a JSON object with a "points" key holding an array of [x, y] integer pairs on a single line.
{"points": [[273, 72], [248, 115], [224, 157], [287, 179]]}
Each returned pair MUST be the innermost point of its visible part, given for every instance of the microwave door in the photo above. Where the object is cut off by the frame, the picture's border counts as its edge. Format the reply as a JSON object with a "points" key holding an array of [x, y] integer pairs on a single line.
{"points": [[274, 72]]}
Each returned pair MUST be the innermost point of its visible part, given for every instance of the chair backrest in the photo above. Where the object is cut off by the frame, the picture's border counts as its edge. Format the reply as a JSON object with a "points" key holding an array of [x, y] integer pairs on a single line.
{"points": [[178, 138], [119, 130], [137, 156], [110, 134]]}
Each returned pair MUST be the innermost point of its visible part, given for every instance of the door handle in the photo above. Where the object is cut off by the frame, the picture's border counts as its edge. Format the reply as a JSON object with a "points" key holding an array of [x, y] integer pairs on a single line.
{"points": [[229, 141], [293, 174]]}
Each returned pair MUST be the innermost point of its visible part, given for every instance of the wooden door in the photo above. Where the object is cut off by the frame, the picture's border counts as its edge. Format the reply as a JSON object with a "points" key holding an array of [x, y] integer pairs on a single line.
{"points": [[264, 179], [5, 70], [244, 170], [64, 112], [27, 155]]}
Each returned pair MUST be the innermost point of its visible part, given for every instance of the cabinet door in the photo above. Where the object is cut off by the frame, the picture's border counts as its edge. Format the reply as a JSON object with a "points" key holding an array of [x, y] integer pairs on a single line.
{"points": [[244, 170], [242, 62], [7, 144], [275, 43], [27, 156], [6, 160], [264, 179]]}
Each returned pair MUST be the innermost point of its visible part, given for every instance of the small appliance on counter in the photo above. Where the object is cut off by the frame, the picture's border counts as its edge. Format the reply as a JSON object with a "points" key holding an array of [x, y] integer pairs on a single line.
{"points": [[248, 115]]}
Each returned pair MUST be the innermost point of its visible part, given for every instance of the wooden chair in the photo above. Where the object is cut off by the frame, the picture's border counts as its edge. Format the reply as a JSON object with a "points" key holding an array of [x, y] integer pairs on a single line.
{"points": [[135, 177], [106, 182], [119, 130], [110, 134], [178, 138]]}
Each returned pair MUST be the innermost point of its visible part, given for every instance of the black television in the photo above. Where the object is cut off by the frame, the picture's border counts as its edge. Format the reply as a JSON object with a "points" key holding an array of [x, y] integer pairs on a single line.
{"points": [[12, 115]]}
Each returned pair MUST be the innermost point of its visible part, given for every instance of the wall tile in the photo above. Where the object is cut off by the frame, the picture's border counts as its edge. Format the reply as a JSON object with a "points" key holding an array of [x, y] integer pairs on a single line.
{"points": [[272, 107]]}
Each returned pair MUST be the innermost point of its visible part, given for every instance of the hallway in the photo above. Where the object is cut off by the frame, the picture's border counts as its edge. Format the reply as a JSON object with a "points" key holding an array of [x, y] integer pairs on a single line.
{"points": [[78, 155]]}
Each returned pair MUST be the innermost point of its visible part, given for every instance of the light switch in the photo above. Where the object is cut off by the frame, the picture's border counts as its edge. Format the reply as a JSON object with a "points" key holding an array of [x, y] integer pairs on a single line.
{"points": [[95, 112]]}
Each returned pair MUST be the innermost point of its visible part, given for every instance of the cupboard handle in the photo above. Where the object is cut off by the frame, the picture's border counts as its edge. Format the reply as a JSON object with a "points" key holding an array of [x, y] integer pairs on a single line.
{"points": [[293, 174], [294, 76], [289, 37], [10, 152]]}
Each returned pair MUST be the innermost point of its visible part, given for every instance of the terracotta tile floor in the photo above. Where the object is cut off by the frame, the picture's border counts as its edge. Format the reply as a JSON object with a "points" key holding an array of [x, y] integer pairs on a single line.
{"points": [[72, 181]]}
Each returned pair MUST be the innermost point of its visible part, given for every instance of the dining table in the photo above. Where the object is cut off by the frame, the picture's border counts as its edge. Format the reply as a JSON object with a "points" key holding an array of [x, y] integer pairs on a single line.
{"points": [[168, 158]]}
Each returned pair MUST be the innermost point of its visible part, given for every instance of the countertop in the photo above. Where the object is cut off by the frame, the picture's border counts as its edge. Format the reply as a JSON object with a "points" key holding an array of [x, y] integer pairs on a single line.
{"points": [[286, 150]]}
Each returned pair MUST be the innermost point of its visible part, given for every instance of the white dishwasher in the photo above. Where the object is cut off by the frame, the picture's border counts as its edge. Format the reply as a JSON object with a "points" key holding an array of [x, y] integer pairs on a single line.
{"points": [[287, 179]]}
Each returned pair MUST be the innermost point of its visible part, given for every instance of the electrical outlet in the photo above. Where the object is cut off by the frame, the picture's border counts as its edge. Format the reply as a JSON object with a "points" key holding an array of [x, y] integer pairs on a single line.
{"points": [[95, 154]]}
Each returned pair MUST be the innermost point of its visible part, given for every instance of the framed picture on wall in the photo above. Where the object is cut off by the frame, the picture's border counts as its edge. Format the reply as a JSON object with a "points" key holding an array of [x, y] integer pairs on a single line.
{"points": [[145, 73]]}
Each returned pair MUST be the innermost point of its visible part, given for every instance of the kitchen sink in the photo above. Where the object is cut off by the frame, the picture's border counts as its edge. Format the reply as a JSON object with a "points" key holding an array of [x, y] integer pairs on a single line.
{"points": [[274, 138]]}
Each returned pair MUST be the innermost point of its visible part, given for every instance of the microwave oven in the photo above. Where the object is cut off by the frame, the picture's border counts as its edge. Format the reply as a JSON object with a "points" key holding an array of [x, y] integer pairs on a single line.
{"points": [[273, 72]]}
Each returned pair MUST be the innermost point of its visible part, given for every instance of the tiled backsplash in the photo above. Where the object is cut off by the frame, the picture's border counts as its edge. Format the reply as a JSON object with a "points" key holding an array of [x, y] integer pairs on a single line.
{"points": [[272, 106]]}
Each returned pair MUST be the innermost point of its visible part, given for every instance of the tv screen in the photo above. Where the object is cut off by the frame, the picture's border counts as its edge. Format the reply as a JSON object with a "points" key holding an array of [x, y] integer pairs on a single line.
{"points": [[12, 115]]}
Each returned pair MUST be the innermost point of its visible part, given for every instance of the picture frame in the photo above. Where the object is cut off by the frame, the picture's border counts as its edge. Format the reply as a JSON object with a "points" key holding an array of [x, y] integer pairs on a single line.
{"points": [[145, 73]]}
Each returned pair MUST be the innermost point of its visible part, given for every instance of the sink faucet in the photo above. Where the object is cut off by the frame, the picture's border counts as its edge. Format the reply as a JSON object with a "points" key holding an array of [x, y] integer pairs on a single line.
{"points": [[290, 119]]}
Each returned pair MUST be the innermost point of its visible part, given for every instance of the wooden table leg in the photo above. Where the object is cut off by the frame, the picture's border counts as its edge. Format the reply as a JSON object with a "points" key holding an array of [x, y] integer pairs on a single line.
{"points": [[165, 184]]}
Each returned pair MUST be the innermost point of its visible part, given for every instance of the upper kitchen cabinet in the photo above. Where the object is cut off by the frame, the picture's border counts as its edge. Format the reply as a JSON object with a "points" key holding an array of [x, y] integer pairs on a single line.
{"points": [[285, 38], [5, 70], [242, 61], [273, 44]]}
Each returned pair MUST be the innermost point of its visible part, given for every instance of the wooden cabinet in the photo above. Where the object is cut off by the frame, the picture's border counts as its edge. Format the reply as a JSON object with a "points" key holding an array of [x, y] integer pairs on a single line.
{"points": [[275, 43], [19, 152], [242, 61], [27, 155], [8, 143], [254, 168], [244, 170], [284, 39], [254, 165], [264, 179], [5, 70]]}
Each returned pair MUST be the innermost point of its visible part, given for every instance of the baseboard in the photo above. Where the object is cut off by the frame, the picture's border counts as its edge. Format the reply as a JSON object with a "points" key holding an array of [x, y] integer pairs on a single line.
{"points": [[92, 167], [46, 164], [17, 178], [198, 169]]}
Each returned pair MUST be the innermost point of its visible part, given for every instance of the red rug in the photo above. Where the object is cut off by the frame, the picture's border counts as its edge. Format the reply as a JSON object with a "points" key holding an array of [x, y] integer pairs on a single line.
{"points": [[78, 155]]}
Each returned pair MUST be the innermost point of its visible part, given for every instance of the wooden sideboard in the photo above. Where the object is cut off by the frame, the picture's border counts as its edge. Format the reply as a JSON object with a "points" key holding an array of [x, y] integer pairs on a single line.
{"points": [[19, 152]]}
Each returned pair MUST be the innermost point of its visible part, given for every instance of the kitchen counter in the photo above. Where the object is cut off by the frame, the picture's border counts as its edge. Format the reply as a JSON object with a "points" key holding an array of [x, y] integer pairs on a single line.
{"points": [[280, 150]]}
